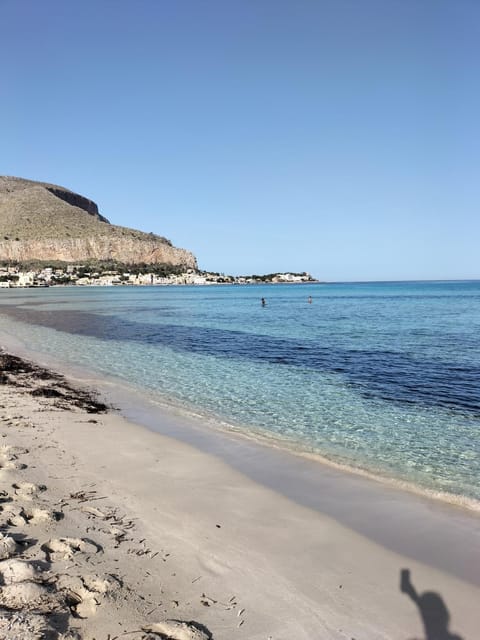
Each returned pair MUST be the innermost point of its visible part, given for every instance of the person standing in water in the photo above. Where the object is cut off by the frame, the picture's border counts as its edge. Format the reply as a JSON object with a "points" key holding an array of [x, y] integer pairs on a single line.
{"points": [[309, 299], [263, 302]]}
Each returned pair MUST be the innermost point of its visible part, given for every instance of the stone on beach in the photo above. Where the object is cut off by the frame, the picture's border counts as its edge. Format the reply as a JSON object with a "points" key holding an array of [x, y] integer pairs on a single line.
{"points": [[177, 630]]}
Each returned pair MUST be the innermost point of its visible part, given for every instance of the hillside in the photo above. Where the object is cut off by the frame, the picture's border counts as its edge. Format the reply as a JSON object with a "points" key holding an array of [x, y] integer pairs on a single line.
{"points": [[40, 221]]}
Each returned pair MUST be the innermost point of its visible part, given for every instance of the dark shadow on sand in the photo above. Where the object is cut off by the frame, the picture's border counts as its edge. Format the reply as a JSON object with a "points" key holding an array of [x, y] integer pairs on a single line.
{"points": [[433, 611]]}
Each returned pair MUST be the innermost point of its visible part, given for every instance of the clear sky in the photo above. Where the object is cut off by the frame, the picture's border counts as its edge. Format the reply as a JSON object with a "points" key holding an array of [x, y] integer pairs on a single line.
{"points": [[339, 137]]}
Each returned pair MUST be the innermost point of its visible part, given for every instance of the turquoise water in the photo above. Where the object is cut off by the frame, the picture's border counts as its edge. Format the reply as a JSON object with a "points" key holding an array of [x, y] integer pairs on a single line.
{"points": [[383, 377]]}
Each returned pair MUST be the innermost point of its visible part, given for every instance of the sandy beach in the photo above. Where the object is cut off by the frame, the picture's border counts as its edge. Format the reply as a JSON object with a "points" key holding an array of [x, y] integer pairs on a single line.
{"points": [[112, 530]]}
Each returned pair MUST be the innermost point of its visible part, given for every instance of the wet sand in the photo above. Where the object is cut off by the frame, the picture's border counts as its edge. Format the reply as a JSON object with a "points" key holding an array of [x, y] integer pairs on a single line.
{"points": [[114, 530]]}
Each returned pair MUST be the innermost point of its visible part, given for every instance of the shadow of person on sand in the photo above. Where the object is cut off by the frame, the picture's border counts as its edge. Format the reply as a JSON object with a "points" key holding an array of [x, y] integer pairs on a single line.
{"points": [[435, 615]]}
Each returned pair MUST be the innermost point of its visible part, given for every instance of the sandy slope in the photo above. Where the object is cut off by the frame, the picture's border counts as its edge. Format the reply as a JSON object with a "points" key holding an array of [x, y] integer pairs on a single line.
{"points": [[112, 531]]}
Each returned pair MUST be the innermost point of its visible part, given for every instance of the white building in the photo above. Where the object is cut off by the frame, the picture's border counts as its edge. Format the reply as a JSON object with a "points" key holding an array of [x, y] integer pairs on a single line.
{"points": [[26, 279]]}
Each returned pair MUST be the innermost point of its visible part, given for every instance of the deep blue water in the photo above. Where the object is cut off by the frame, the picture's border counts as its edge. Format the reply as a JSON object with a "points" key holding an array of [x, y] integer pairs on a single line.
{"points": [[381, 376]]}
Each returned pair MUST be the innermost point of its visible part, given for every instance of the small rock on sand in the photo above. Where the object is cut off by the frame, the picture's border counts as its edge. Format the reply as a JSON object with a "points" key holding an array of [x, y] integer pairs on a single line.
{"points": [[177, 630]]}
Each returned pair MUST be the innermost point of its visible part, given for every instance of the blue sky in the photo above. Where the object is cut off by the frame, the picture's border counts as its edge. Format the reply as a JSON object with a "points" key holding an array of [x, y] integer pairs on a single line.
{"points": [[339, 137]]}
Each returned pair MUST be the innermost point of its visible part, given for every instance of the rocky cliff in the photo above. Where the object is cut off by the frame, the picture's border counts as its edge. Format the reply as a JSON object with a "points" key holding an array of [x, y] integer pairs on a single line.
{"points": [[40, 221]]}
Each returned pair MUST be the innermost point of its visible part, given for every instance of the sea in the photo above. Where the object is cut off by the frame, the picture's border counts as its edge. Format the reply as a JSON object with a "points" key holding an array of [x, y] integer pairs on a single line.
{"points": [[380, 378]]}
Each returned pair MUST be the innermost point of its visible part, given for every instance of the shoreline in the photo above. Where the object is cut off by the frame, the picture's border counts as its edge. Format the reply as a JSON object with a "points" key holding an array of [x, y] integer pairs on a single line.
{"points": [[138, 406], [265, 460], [273, 543], [287, 448]]}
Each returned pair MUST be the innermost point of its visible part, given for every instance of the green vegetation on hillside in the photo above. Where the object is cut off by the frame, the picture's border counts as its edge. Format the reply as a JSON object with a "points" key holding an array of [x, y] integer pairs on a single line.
{"points": [[97, 266]]}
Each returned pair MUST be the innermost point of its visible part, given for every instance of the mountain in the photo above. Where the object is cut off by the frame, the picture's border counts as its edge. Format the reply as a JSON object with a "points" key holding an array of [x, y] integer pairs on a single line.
{"points": [[41, 221]]}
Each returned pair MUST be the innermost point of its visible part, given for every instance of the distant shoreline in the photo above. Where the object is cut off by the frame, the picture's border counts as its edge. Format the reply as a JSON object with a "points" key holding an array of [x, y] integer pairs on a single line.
{"points": [[210, 284]]}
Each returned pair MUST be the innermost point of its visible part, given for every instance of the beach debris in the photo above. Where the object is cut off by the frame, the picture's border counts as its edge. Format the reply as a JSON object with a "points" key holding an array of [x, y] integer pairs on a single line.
{"points": [[86, 496], [47, 392], [139, 552], [149, 613], [118, 525], [206, 600], [178, 630], [93, 511], [66, 397], [49, 385]]}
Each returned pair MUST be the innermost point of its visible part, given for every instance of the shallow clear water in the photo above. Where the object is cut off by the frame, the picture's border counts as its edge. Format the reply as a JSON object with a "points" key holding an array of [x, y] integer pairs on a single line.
{"points": [[379, 376]]}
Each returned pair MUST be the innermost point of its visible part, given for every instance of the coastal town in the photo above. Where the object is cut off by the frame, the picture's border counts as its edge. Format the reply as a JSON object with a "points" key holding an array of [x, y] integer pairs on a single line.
{"points": [[88, 275]]}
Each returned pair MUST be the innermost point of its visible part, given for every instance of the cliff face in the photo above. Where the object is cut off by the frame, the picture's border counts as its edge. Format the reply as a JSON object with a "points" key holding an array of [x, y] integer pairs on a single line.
{"points": [[77, 201], [126, 250], [40, 221]]}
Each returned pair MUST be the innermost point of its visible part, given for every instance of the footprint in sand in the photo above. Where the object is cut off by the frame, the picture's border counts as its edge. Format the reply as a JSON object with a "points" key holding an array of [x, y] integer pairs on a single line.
{"points": [[25, 593], [38, 515], [11, 515], [11, 465], [28, 490], [19, 625], [9, 458], [8, 547], [82, 594], [16, 515], [14, 570], [4, 496], [29, 596], [26, 588], [65, 548], [10, 450]]}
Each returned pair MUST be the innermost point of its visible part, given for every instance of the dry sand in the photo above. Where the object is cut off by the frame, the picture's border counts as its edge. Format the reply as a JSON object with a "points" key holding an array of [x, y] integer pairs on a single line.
{"points": [[112, 531]]}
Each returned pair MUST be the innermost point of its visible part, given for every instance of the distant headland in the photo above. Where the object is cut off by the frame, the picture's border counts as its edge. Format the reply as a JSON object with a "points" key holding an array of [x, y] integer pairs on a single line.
{"points": [[41, 222], [50, 235]]}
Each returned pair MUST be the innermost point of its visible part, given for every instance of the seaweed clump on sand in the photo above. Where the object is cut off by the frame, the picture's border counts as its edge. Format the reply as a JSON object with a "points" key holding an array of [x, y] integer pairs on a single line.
{"points": [[43, 383]]}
